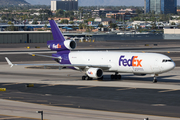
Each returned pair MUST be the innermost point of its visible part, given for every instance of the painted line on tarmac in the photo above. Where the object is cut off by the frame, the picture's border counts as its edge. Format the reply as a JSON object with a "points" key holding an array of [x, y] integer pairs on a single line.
{"points": [[90, 110], [86, 87], [7, 118], [61, 104], [15, 117], [168, 90], [36, 101], [48, 85], [158, 105], [126, 89], [10, 84]]}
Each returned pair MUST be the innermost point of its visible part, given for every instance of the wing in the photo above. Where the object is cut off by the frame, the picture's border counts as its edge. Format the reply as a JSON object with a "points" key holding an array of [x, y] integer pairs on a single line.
{"points": [[81, 66]]}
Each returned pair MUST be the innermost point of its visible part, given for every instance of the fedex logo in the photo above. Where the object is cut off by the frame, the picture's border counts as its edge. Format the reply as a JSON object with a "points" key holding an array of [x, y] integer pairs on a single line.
{"points": [[56, 46], [91, 73], [134, 61]]}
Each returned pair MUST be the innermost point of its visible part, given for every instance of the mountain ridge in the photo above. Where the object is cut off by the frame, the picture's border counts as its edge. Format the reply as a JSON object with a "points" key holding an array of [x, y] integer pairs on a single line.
{"points": [[97, 2], [12, 2]]}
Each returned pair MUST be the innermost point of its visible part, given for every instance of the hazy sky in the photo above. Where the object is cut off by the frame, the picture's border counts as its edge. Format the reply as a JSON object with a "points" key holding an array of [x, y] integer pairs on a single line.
{"points": [[97, 2]]}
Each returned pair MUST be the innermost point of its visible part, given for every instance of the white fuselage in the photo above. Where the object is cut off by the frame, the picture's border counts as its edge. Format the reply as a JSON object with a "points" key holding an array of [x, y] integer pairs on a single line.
{"points": [[124, 62]]}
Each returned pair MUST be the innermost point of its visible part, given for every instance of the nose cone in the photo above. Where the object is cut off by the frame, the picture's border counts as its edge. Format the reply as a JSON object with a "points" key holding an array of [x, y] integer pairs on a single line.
{"points": [[174, 65], [171, 66], [168, 66]]}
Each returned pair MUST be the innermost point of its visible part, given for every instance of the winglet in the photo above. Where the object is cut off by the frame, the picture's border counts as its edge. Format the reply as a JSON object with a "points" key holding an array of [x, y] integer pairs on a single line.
{"points": [[9, 62]]}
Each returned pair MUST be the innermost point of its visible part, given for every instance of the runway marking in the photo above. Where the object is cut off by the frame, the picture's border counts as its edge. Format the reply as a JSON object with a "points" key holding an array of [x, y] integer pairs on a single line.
{"points": [[37, 100], [62, 104], [17, 97], [48, 85], [41, 100], [48, 95], [9, 118], [168, 90], [86, 87], [10, 84], [126, 89], [14, 117], [161, 105]]}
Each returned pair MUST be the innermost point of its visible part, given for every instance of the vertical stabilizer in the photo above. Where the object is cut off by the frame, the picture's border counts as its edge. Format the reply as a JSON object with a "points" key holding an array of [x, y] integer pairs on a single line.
{"points": [[59, 43], [57, 35]]}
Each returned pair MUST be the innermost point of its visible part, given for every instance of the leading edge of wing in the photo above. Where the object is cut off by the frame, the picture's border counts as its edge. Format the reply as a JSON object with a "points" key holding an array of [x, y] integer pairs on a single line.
{"points": [[60, 65]]}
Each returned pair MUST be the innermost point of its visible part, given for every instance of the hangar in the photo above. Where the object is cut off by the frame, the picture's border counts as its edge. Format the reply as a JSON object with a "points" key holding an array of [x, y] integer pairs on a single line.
{"points": [[8, 37]]}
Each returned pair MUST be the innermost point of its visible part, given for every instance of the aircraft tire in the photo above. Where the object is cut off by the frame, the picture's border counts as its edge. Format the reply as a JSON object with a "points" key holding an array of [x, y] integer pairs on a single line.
{"points": [[112, 77], [119, 77], [101, 78], [115, 77], [88, 78], [83, 77], [155, 81]]}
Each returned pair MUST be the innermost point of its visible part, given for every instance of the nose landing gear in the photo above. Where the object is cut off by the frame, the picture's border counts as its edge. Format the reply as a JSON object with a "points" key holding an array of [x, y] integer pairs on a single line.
{"points": [[155, 80]]}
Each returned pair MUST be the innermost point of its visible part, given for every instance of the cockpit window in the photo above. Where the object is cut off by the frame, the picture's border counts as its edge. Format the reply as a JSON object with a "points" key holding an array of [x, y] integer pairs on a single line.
{"points": [[167, 60]]}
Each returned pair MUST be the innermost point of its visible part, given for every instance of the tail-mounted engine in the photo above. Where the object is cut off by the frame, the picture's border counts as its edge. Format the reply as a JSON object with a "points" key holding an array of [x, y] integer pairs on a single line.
{"points": [[55, 45]]}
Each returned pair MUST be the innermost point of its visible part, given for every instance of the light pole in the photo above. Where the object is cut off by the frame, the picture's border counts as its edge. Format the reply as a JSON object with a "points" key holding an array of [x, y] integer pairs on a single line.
{"points": [[41, 114]]}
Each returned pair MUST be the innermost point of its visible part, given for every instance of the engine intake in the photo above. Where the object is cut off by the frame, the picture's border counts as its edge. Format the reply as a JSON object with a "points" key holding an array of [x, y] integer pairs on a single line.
{"points": [[94, 72], [60, 46], [70, 44]]}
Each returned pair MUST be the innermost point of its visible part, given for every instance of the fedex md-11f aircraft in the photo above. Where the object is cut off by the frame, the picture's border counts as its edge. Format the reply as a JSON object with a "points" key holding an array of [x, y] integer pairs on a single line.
{"points": [[94, 63]]}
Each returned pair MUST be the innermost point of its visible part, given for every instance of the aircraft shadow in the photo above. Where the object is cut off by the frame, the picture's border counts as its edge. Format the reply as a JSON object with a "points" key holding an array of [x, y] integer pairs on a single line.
{"points": [[142, 78]]}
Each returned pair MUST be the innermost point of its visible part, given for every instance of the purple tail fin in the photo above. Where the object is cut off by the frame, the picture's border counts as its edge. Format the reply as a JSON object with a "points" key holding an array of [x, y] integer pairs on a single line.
{"points": [[59, 43], [57, 35]]}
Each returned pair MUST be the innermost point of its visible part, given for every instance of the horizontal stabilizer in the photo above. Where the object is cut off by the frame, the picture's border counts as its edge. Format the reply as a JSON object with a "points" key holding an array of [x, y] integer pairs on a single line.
{"points": [[44, 56]]}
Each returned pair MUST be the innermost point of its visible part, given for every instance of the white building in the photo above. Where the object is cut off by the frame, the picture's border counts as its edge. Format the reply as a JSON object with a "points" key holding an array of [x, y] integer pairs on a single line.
{"points": [[68, 5]]}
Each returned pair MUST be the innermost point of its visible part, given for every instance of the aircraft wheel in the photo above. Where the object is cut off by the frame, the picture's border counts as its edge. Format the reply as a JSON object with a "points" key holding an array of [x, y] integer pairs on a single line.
{"points": [[83, 77], [119, 77], [116, 77], [155, 81], [112, 76], [88, 78], [101, 78]]}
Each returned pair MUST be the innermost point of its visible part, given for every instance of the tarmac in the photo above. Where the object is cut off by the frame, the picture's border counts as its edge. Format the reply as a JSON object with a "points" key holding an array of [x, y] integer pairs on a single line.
{"points": [[62, 95], [28, 111]]}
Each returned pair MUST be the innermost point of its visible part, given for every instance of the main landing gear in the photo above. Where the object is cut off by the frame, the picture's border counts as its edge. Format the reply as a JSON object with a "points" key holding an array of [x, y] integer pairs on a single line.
{"points": [[101, 78], [89, 78], [116, 76], [86, 78]]}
